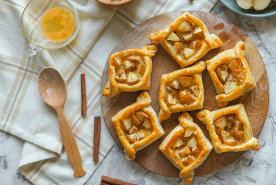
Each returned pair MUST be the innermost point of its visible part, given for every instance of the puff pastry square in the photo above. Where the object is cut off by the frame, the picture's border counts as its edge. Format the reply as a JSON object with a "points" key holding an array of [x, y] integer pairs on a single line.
{"points": [[137, 125], [229, 128], [231, 74], [186, 147], [130, 70], [181, 90], [186, 39]]}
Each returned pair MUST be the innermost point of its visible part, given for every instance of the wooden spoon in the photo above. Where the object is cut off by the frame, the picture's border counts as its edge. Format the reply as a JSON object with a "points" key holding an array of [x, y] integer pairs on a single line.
{"points": [[53, 90]]}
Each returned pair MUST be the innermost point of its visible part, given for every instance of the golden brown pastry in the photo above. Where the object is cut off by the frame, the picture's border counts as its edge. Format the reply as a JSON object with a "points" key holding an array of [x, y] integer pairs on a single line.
{"points": [[130, 70], [137, 125], [186, 39], [181, 90], [186, 147], [229, 128], [231, 74]]}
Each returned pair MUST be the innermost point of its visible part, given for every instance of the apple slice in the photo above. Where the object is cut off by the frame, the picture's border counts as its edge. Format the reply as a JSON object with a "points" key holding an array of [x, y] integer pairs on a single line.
{"points": [[147, 124], [136, 58], [196, 152], [175, 84], [173, 37], [116, 61], [141, 134], [128, 65], [188, 36], [141, 115], [126, 124], [221, 122], [170, 100], [197, 44], [186, 97], [231, 141], [237, 133], [195, 90], [238, 124], [237, 70], [187, 52], [131, 138], [135, 120], [178, 47], [231, 84], [185, 27], [256, 4], [229, 121], [188, 160], [192, 142], [121, 75], [189, 131], [133, 129], [198, 33], [132, 78], [178, 142], [222, 72], [184, 152], [142, 70], [225, 135], [185, 81]]}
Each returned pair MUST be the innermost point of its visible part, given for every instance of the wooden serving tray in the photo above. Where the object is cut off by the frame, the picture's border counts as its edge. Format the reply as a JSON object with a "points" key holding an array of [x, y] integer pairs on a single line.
{"points": [[256, 102]]}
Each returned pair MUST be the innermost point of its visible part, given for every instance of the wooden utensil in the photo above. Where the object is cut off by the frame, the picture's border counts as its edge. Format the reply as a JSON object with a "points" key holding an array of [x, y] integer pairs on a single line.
{"points": [[116, 3], [256, 102], [53, 90]]}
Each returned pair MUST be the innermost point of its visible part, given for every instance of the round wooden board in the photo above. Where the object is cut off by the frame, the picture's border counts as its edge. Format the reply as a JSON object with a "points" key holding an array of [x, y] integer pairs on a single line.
{"points": [[256, 102]]}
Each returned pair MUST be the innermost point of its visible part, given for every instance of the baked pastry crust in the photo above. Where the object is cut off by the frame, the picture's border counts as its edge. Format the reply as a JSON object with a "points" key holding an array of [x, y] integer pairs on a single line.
{"points": [[194, 72], [173, 154], [248, 141], [130, 70], [246, 83], [155, 132], [191, 37]]}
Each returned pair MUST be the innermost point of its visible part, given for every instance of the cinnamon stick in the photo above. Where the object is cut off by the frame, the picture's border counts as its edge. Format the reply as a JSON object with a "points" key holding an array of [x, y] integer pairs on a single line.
{"points": [[83, 95], [103, 183], [97, 133], [109, 180]]}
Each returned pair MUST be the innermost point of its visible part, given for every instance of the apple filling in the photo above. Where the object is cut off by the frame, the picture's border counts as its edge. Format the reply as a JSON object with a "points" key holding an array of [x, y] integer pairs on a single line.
{"points": [[129, 70], [231, 76], [137, 126], [182, 90], [229, 130], [186, 147], [186, 40]]}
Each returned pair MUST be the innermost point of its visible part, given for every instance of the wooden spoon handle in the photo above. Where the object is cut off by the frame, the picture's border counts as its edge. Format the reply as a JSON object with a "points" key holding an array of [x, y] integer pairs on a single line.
{"points": [[69, 143]]}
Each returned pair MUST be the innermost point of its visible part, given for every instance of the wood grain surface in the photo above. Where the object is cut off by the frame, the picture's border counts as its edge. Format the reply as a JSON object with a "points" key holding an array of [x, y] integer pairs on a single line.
{"points": [[256, 101]]}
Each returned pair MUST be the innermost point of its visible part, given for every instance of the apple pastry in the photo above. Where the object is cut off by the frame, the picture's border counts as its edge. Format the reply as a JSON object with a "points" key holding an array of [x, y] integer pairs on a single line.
{"points": [[186, 147], [137, 125], [229, 128], [186, 39], [130, 70], [231, 74], [181, 90]]}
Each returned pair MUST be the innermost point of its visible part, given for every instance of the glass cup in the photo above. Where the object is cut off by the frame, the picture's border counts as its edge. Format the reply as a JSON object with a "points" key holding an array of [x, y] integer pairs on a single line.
{"points": [[31, 24]]}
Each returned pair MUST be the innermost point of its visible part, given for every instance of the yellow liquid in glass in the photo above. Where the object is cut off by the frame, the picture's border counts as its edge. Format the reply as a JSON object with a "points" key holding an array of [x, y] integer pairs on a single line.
{"points": [[58, 24]]}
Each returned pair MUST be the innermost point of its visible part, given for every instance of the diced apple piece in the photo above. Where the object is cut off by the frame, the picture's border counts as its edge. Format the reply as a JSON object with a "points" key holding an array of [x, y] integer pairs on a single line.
{"points": [[117, 61], [231, 141], [188, 160], [136, 58], [198, 33], [189, 131], [142, 134], [170, 99], [184, 152], [141, 115], [195, 90], [193, 142], [237, 70], [121, 75], [186, 97], [178, 47], [238, 124], [196, 152], [187, 53], [147, 124], [173, 37], [133, 129], [131, 138], [218, 131], [237, 133], [188, 36], [231, 84], [126, 124], [175, 84], [221, 122], [225, 135], [128, 64], [142, 70], [229, 121], [197, 44], [135, 120], [185, 81], [185, 27], [178, 142], [132, 78], [222, 72]]}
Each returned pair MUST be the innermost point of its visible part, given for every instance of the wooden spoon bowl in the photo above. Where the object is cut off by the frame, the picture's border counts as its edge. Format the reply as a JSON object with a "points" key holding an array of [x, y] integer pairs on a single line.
{"points": [[116, 3]]}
